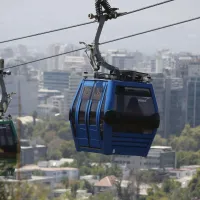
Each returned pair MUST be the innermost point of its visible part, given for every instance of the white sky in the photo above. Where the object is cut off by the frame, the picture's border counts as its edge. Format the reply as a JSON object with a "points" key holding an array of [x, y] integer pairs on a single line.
{"points": [[22, 17]]}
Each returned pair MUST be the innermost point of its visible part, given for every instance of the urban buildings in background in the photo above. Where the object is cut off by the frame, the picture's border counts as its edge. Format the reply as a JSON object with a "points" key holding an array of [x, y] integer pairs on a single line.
{"points": [[159, 157], [50, 85]]}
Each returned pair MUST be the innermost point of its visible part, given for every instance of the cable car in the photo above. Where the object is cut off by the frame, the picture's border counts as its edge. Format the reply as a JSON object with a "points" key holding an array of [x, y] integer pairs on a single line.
{"points": [[114, 117], [8, 147], [113, 113], [8, 137]]}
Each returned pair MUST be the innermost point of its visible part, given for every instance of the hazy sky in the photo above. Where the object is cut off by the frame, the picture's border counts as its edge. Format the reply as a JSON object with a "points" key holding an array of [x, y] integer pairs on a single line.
{"points": [[22, 17]]}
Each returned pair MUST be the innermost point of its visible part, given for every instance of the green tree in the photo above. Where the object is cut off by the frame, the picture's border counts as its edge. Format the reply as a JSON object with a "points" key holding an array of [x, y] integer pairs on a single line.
{"points": [[67, 196], [3, 195], [170, 190], [68, 149], [156, 194], [103, 196], [74, 188], [65, 182], [73, 164], [82, 159], [24, 191], [124, 193], [180, 193], [65, 133], [158, 140], [54, 155], [194, 185], [49, 136], [153, 176], [189, 139], [100, 170], [89, 187], [170, 185], [54, 149], [114, 170], [188, 158]]}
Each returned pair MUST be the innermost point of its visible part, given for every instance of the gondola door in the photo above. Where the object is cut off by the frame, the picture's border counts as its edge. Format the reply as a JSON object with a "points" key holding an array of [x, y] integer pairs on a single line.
{"points": [[81, 117], [93, 118]]}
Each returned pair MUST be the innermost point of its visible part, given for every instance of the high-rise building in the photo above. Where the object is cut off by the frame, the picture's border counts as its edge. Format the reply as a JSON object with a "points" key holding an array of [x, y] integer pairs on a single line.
{"points": [[159, 89], [56, 80], [66, 48], [53, 63], [74, 82], [188, 66], [169, 94], [153, 66], [165, 60], [121, 59], [174, 106], [192, 92], [76, 62], [28, 92]]}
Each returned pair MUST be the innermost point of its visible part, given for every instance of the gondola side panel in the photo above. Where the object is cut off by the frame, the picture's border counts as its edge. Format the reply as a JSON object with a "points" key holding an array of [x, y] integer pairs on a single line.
{"points": [[109, 105], [73, 115]]}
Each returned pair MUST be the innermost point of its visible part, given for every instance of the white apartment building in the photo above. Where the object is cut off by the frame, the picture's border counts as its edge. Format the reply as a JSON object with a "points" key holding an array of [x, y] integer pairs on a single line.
{"points": [[69, 94], [60, 173], [57, 173], [158, 157], [57, 102]]}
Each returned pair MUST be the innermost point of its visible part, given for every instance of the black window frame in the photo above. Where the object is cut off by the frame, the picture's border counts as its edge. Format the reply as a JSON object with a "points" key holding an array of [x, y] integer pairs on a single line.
{"points": [[84, 101], [10, 142], [95, 103], [102, 114], [120, 92]]}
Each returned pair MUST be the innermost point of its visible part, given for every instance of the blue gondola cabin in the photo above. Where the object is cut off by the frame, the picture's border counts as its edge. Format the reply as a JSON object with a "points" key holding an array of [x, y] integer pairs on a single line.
{"points": [[114, 117]]}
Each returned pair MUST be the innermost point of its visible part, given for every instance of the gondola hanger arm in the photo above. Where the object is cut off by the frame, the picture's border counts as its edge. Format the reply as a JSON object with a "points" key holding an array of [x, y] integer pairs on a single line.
{"points": [[5, 97], [96, 59]]}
